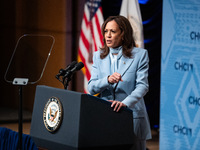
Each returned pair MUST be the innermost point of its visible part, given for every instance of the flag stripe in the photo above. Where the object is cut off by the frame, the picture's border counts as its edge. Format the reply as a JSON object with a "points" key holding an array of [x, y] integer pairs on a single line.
{"points": [[85, 41], [96, 32], [84, 55], [85, 85], [87, 72], [99, 23], [94, 39]]}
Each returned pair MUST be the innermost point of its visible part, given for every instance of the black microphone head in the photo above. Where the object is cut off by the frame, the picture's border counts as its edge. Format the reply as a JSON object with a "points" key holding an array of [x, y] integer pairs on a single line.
{"points": [[70, 66], [62, 72], [79, 66], [73, 63]]}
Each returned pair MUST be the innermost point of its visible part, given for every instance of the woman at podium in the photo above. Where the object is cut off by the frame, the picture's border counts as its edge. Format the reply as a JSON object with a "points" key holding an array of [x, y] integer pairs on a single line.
{"points": [[120, 74]]}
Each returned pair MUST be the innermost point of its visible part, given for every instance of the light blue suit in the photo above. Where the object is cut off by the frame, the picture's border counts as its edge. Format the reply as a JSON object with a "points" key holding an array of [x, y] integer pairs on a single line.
{"points": [[130, 91]]}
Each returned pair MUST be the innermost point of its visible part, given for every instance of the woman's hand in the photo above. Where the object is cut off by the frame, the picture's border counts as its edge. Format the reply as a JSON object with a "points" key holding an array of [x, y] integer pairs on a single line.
{"points": [[114, 78], [117, 105]]}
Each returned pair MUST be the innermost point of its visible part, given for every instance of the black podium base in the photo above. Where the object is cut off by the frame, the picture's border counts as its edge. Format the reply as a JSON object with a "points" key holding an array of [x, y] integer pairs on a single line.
{"points": [[88, 123], [54, 146]]}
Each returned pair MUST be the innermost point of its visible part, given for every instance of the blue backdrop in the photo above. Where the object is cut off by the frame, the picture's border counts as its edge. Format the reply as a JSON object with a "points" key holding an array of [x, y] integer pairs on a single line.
{"points": [[180, 76]]}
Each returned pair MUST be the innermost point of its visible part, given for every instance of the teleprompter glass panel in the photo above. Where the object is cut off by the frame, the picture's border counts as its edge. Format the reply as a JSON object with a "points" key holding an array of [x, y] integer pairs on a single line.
{"points": [[29, 58]]}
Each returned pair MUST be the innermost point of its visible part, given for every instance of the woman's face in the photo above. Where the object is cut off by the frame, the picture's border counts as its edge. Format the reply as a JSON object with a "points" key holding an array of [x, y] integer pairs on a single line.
{"points": [[112, 34]]}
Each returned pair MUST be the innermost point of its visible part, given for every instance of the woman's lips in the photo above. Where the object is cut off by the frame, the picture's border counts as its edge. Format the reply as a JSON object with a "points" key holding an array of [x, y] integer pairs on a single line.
{"points": [[108, 41]]}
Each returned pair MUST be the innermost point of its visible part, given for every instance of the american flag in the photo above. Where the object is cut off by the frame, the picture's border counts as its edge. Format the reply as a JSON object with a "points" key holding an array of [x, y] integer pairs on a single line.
{"points": [[90, 36]]}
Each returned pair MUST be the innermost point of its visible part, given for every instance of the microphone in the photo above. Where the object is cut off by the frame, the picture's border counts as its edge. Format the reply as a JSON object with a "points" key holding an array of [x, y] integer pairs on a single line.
{"points": [[62, 72], [77, 67]]}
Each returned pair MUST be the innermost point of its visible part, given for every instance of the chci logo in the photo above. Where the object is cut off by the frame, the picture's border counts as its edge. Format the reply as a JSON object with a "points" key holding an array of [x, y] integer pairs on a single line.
{"points": [[52, 115]]}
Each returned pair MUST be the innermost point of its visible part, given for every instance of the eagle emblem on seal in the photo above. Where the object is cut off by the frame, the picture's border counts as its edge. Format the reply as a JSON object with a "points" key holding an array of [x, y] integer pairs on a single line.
{"points": [[52, 114]]}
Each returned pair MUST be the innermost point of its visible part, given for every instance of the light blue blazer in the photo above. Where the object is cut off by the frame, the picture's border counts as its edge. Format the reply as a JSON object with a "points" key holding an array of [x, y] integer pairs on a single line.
{"points": [[130, 91]]}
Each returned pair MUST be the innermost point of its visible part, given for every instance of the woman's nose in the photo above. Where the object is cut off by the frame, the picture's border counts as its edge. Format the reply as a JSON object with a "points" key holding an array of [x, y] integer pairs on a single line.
{"points": [[108, 34]]}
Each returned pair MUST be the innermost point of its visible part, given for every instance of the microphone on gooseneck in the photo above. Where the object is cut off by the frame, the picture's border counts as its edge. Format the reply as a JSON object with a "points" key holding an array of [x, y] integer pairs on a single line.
{"points": [[62, 72], [68, 72], [77, 67]]}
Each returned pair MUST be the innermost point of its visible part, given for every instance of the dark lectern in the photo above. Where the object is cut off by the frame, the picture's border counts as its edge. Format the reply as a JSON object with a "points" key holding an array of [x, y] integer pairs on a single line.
{"points": [[88, 122]]}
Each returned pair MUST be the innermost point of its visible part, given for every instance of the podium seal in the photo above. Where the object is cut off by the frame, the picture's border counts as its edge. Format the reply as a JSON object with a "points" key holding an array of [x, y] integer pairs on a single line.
{"points": [[52, 114]]}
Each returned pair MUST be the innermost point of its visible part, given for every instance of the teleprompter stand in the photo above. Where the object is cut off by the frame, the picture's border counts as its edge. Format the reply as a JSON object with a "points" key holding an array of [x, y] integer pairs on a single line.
{"points": [[27, 67], [20, 82]]}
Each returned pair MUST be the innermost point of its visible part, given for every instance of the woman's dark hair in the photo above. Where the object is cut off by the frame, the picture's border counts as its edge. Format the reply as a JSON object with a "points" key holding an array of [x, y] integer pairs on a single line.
{"points": [[127, 36]]}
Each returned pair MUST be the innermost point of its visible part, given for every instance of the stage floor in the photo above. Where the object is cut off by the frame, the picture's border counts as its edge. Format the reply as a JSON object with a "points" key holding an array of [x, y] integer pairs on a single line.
{"points": [[152, 144]]}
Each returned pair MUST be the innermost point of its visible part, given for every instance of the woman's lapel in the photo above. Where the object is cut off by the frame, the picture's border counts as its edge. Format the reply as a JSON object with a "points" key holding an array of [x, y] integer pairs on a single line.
{"points": [[124, 64], [105, 64]]}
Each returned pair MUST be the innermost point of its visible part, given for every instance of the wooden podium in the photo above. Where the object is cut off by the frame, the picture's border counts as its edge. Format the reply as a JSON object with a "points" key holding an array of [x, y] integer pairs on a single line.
{"points": [[87, 122]]}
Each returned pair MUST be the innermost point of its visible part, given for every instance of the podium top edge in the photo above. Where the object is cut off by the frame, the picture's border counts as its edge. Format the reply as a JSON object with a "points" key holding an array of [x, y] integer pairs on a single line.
{"points": [[49, 87], [126, 109], [109, 103]]}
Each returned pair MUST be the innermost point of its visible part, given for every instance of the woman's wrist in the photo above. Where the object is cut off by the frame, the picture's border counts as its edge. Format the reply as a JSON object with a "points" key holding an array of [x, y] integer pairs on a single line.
{"points": [[108, 80]]}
